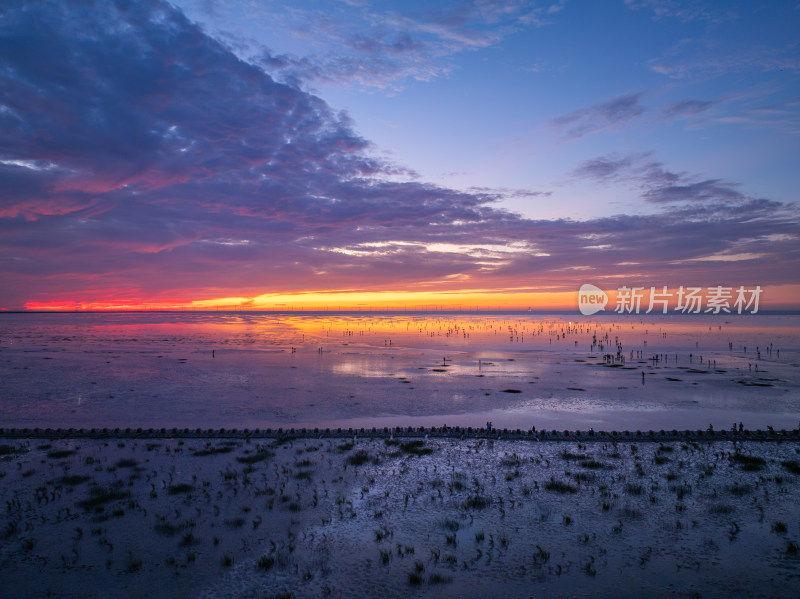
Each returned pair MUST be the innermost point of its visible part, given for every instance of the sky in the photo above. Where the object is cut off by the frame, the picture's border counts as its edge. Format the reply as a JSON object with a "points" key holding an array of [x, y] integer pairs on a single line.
{"points": [[395, 154]]}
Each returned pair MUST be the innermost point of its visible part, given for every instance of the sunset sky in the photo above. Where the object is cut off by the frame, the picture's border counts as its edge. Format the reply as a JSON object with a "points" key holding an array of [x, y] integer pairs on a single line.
{"points": [[404, 154]]}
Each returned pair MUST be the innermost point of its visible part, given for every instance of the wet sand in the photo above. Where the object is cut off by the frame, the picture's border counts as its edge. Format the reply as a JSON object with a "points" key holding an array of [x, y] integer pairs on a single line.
{"points": [[408, 513]]}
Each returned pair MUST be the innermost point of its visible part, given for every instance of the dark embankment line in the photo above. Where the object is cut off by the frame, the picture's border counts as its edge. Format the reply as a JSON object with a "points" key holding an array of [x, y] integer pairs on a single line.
{"points": [[388, 432]]}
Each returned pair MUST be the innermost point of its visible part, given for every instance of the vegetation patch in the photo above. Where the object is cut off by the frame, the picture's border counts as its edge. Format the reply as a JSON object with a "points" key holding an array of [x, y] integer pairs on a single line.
{"points": [[477, 502], [416, 447], [100, 496], [594, 465], [721, 509], [560, 487], [740, 490], [168, 529], [792, 466], [573, 457], [72, 480], [180, 488], [358, 458], [749, 462], [10, 450], [60, 453], [211, 451], [254, 458], [265, 562]]}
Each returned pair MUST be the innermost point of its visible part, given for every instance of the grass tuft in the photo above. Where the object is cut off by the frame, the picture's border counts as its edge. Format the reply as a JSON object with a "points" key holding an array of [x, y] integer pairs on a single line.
{"points": [[180, 488], [749, 462], [477, 502], [359, 458], [792, 466], [265, 562], [560, 487], [416, 447], [99, 496]]}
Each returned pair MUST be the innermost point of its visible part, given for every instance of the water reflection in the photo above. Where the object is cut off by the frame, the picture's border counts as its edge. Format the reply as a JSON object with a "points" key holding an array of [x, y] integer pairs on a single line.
{"points": [[267, 370]]}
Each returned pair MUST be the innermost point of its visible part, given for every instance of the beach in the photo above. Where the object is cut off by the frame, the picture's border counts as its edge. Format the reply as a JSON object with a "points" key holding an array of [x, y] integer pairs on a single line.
{"points": [[400, 514]]}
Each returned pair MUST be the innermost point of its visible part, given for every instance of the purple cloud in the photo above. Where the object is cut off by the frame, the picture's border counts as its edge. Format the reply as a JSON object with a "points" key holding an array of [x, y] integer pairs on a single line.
{"points": [[603, 168], [604, 115], [688, 108], [657, 184], [385, 49]]}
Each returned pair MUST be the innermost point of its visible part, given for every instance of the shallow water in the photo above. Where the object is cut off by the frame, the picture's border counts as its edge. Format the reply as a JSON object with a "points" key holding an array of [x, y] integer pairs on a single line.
{"points": [[259, 370]]}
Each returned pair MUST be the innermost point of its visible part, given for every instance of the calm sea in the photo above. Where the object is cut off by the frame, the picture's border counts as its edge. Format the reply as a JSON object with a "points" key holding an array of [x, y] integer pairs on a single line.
{"points": [[259, 370]]}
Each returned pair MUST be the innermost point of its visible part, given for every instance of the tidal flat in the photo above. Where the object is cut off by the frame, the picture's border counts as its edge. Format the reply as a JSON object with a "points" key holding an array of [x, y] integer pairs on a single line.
{"points": [[399, 516]]}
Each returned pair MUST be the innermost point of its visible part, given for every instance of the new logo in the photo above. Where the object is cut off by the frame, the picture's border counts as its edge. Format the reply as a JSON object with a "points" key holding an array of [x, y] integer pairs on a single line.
{"points": [[591, 299]]}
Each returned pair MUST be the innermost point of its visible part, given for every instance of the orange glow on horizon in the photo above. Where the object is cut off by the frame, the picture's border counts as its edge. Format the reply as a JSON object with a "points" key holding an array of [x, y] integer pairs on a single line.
{"points": [[773, 297]]}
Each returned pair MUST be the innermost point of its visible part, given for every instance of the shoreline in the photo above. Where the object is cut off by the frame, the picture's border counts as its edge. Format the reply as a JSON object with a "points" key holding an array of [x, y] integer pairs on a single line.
{"points": [[443, 432]]}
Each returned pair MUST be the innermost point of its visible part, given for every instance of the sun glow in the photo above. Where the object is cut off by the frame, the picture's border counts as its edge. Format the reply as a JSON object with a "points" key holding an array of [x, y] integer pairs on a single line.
{"points": [[469, 299], [510, 298]]}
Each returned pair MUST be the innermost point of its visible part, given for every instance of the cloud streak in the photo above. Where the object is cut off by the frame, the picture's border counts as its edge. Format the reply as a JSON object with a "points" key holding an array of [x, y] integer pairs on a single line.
{"points": [[604, 115], [656, 183], [385, 49]]}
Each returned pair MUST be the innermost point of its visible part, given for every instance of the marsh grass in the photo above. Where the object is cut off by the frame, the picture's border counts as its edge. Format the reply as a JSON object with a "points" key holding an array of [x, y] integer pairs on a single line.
{"points": [[780, 528], [560, 486], [100, 496], [634, 489], [416, 447], [359, 458], [11, 450], [594, 465], [749, 462], [180, 488], [476, 502], [737, 489], [60, 453], [254, 458], [450, 524], [134, 564], [721, 509], [792, 466], [437, 578], [573, 457], [265, 562], [212, 451], [168, 529], [73, 480]]}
